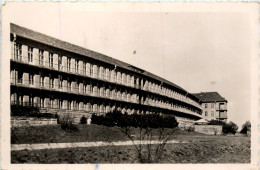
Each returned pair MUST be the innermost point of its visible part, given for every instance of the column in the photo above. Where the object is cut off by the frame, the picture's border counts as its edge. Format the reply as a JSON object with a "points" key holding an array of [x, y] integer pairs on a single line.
{"points": [[55, 61], [35, 56], [64, 104], [65, 85], [107, 74], [80, 67], [88, 69], [128, 79], [26, 100], [101, 72], [46, 102], [64, 63], [46, 59], [81, 106], [124, 79], [73, 65], [36, 78], [80, 88], [95, 71], [26, 79], [12, 50], [25, 53]]}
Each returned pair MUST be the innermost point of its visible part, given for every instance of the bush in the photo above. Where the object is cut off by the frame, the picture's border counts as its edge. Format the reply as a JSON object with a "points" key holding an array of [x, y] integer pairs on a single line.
{"points": [[116, 118], [230, 127], [83, 120], [246, 127], [17, 110], [66, 122]]}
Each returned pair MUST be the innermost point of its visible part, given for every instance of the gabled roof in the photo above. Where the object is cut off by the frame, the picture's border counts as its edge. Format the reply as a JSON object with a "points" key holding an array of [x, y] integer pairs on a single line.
{"points": [[45, 39], [209, 97]]}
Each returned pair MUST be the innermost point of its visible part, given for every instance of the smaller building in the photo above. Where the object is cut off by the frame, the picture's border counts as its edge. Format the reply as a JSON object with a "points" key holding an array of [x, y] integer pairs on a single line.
{"points": [[214, 106]]}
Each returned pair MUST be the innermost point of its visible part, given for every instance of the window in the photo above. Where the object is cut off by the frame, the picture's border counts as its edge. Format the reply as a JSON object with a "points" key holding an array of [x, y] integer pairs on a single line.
{"points": [[108, 75], [97, 91], [42, 81], [51, 103], [60, 82], [60, 62], [206, 113], [41, 58], [18, 51], [69, 86], [91, 89], [30, 100], [212, 105], [212, 113], [91, 107], [69, 105], [84, 88], [115, 76], [51, 83], [20, 77], [51, 60], [77, 105], [104, 91], [77, 86], [84, 67], [206, 105], [30, 54], [42, 102], [60, 104], [98, 71], [68, 63], [104, 73], [31, 81], [77, 66], [91, 70]]}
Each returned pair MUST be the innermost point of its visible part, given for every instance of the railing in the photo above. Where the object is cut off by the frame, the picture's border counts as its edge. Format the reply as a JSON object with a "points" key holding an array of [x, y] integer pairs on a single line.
{"points": [[111, 79], [118, 97]]}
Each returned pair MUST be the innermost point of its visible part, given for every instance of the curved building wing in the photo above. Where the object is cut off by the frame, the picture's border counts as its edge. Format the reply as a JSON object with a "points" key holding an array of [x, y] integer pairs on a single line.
{"points": [[57, 76]]}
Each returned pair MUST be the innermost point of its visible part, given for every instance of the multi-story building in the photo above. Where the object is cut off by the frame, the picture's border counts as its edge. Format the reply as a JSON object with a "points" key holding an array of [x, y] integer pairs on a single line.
{"points": [[214, 106], [55, 75]]}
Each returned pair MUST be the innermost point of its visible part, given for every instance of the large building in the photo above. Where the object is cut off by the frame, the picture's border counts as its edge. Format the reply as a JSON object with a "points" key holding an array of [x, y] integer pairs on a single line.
{"points": [[214, 106], [57, 76]]}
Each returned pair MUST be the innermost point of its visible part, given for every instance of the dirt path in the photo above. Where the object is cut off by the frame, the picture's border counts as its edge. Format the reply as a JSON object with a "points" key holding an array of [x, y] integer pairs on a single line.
{"points": [[39, 146]]}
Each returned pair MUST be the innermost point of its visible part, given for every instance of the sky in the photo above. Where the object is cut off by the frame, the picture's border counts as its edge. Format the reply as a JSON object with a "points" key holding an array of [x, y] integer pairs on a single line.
{"points": [[199, 50]]}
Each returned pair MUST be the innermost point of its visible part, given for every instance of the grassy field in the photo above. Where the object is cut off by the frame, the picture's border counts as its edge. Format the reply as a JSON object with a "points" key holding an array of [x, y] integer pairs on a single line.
{"points": [[86, 133], [200, 149]]}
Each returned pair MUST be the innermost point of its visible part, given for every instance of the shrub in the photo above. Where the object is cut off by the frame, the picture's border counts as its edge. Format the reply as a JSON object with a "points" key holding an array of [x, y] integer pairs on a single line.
{"points": [[230, 127], [246, 127], [66, 122], [83, 120], [17, 110], [116, 118]]}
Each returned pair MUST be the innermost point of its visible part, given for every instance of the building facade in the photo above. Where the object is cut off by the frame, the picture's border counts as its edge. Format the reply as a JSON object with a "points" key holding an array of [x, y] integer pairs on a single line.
{"points": [[61, 77], [214, 106]]}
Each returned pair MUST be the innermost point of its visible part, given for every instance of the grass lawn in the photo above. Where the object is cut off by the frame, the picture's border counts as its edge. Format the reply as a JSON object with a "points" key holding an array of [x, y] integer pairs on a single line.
{"points": [[199, 149], [86, 133], [216, 150]]}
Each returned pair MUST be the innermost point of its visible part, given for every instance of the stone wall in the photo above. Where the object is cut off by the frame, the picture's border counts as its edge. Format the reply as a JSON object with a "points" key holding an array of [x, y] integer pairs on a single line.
{"points": [[29, 121], [184, 123], [208, 129]]}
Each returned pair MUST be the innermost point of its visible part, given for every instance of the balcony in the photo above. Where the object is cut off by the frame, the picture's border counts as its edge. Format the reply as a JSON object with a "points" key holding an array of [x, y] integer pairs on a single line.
{"points": [[222, 108], [109, 79]]}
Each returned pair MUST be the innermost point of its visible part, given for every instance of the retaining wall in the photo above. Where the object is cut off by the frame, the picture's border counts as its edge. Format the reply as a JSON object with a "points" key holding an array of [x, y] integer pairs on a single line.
{"points": [[28, 121], [208, 129]]}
